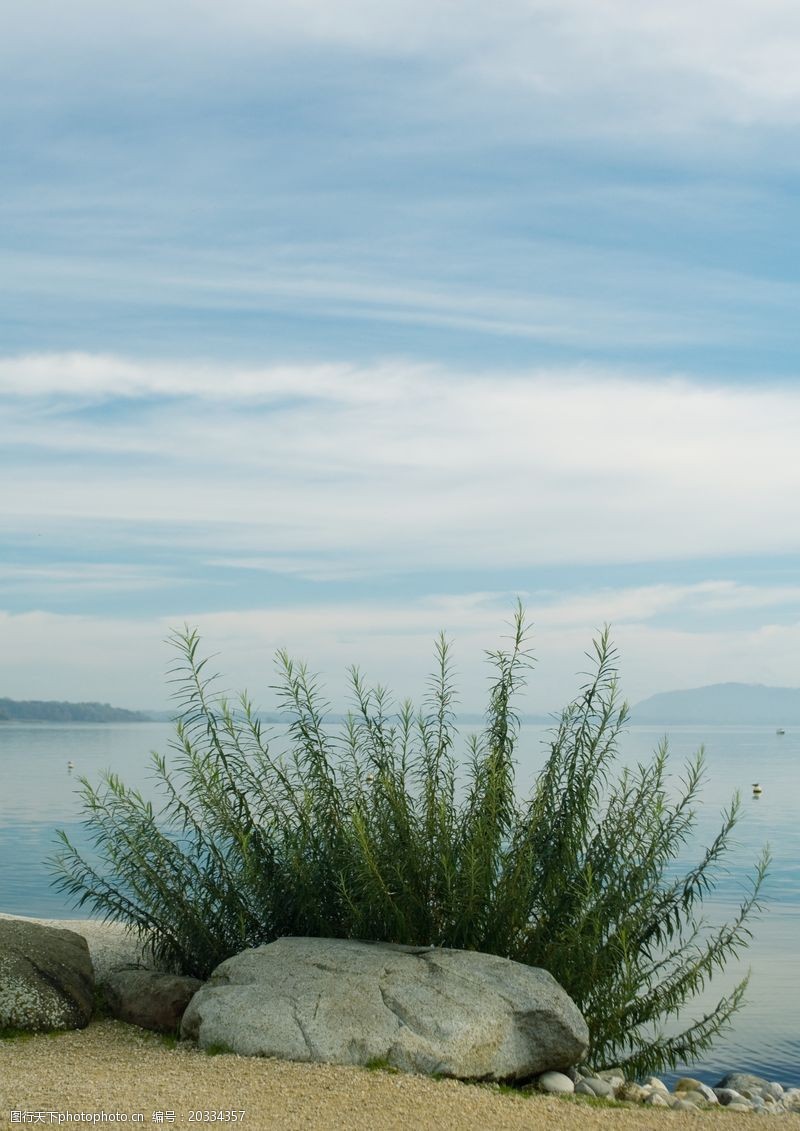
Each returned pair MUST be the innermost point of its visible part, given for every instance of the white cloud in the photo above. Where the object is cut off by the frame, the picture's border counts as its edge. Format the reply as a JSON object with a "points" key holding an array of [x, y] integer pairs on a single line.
{"points": [[607, 64], [681, 65], [578, 306], [66, 578], [638, 604], [93, 376], [345, 469], [342, 472], [124, 661]]}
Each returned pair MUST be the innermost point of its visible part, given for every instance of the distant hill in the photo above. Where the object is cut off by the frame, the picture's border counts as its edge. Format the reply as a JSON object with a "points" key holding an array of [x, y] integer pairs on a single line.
{"points": [[52, 711], [723, 703]]}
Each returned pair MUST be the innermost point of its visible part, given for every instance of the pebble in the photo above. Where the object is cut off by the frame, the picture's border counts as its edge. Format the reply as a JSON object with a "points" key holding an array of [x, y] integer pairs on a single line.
{"points": [[633, 1092], [708, 1094], [743, 1082], [556, 1083], [656, 1099], [728, 1096], [736, 1091], [614, 1076], [654, 1082], [600, 1087], [791, 1097], [695, 1097], [686, 1084]]}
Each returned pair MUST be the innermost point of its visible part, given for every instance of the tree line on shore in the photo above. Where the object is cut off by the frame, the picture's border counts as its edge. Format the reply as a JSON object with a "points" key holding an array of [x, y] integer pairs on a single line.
{"points": [[55, 711]]}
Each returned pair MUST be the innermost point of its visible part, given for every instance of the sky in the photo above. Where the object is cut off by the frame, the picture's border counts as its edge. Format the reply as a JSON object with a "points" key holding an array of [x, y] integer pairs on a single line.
{"points": [[329, 327]]}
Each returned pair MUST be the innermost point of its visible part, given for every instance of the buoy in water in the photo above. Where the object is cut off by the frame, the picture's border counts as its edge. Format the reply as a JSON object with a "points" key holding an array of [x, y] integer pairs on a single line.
{"points": [[757, 788]]}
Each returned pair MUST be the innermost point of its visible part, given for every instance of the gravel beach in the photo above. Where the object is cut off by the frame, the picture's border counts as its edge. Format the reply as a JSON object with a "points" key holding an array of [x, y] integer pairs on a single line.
{"points": [[114, 1068]]}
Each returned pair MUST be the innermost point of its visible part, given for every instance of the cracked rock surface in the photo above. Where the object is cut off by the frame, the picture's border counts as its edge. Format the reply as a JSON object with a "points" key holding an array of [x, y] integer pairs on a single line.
{"points": [[428, 1010]]}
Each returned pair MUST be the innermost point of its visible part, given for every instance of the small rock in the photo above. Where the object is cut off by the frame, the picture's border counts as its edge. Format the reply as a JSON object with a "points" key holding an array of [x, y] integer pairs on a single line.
{"points": [[727, 1096], [742, 1082], [791, 1099], [556, 1083], [582, 1088], [739, 1105], [694, 1096], [707, 1093], [148, 998], [614, 1076], [656, 1099], [600, 1087], [632, 1092], [684, 1105], [686, 1084], [654, 1082], [774, 1089]]}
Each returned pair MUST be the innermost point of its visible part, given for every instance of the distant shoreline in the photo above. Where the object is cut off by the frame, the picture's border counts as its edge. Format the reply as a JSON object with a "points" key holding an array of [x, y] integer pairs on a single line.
{"points": [[58, 711], [104, 714]]}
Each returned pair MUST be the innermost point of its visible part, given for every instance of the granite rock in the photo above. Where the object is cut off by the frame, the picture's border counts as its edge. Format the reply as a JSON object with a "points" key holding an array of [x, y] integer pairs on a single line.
{"points": [[419, 1009]]}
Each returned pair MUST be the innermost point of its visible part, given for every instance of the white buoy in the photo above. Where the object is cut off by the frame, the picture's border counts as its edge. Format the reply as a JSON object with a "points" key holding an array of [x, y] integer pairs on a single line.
{"points": [[757, 788], [70, 765]]}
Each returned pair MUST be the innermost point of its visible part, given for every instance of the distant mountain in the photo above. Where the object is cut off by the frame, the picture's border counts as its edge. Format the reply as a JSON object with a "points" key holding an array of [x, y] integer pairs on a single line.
{"points": [[723, 703], [52, 711]]}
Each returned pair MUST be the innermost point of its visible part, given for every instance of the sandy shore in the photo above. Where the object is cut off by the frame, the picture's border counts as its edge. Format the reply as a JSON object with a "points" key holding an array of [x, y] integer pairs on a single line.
{"points": [[111, 1067]]}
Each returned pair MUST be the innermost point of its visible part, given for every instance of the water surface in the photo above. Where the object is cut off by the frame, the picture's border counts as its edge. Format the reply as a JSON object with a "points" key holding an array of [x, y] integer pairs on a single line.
{"points": [[38, 792]]}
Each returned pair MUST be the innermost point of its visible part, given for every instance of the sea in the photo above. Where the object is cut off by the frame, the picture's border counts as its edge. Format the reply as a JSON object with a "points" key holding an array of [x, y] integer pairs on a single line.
{"points": [[39, 793]]}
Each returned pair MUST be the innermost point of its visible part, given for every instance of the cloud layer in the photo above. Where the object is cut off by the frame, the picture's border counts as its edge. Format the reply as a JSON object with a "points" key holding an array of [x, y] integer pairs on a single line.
{"points": [[606, 63], [346, 512], [404, 467], [344, 323]]}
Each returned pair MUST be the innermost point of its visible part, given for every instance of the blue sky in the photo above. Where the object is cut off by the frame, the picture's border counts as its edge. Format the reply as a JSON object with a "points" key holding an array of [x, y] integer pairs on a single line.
{"points": [[329, 326]]}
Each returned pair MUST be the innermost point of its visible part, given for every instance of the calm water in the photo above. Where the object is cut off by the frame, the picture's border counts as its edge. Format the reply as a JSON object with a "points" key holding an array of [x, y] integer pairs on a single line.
{"points": [[38, 794]]}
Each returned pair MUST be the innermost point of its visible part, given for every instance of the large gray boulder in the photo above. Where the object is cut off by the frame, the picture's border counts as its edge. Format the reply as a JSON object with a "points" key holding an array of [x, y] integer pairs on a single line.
{"points": [[453, 1012], [46, 977]]}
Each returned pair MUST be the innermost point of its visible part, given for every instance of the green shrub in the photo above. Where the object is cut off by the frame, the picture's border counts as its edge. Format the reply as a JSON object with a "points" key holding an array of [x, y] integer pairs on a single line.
{"points": [[378, 832]]}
